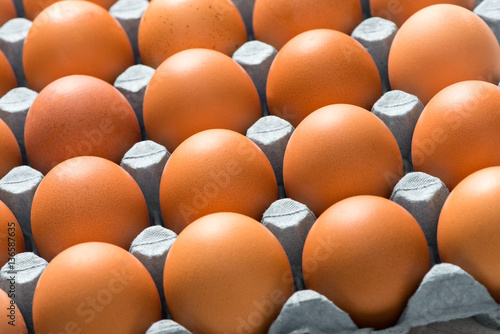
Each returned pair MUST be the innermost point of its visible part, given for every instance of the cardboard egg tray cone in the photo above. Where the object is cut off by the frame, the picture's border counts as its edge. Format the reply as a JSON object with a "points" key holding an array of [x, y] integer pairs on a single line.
{"points": [[448, 300]]}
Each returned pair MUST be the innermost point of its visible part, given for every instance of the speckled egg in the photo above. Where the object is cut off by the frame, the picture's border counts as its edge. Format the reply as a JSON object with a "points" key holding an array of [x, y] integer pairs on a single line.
{"points": [[75, 37], [368, 255], [196, 90], [439, 46], [337, 152], [317, 68], [8, 79], [7, 11], [33, 7], [458, 132], [10, 154], [215, 171], [95, 288], [275, 22], [79, 115], [86, 199], [11, 236], [226, 273], [170, 26], [12, 319]]}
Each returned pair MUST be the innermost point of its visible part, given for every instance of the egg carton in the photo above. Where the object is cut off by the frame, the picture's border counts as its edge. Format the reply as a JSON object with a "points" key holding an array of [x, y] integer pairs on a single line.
{"points": [[447, 293]]}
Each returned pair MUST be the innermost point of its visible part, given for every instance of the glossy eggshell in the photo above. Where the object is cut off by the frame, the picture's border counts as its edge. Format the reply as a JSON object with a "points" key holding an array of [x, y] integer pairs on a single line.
{"points": [[439, 46], [226, 273], [7, 11], [275, 22], [8, 79], [468, 230], [12, 319], [399, 11], [75, 37], [368, 255], [458, 132], [215, 171], [95, 288], [79, 115], [33, 7], [318, 68], [86, 199], [11, 236], [170, 26], [10, 154], [337, 152], [196, 90]]}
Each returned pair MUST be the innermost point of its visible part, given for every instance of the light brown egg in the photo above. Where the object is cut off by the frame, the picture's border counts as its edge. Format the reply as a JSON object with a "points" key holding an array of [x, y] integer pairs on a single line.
{"points": [[10, 154], [86, 199], [170, 26], [7, 11], [226, 273], [79, 115], [468, 230], [458, 132], [75, 37], [196, 90], [337, 152], [11, 236], [8, 79], [33, 7], [439, 46], [275, 22], [12, 320], [95, 288], [215, 171], [368, 255], [318, 68], [399, 11]]}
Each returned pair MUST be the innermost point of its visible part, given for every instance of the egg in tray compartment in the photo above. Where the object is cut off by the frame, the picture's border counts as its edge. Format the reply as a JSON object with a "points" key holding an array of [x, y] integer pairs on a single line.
{"points": [[215, 166]]}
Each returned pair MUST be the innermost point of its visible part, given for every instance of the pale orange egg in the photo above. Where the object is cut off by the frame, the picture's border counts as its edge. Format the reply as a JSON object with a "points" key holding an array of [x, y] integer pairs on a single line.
{"points": [[170, 26], [275, 22], [337, 152], [7, 11], [95, 288], [458, 132], [33, 7], [75, 116], [12, 319], [399, 11], [75, 37], [10, 154], [196, 90], [368, 255], [215, 171], [8, 79], [226, 273], [441, 45], [318, 68], [86, 199], [11, 236]]}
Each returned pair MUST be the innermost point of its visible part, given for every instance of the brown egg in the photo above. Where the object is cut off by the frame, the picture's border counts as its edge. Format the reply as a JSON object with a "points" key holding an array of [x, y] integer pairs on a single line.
{"points": [[7, 11], [226, 273], [318, 68], [79, 115], [12, 320], [468, 228], [11, 236], [399, 11], [337, 152], [367, 255], [458, 132], [10, 154], [275, 22], [215, 171], [196, 90], [33, 7], [170, 26], [8, 79], [95, 288], [439, 46], [86, 199], [75, 37]]}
